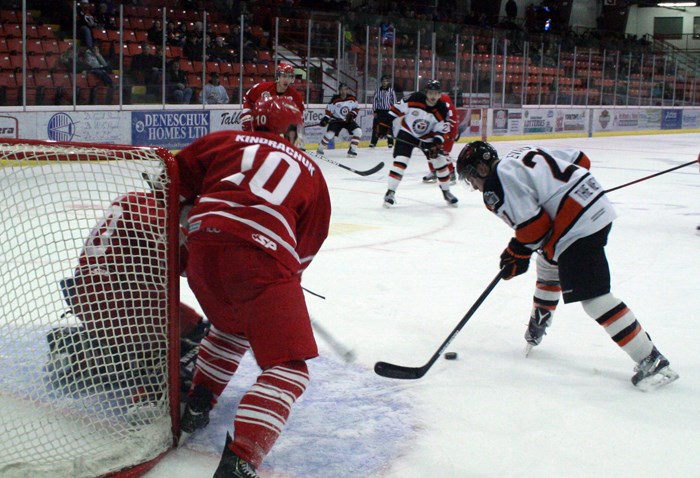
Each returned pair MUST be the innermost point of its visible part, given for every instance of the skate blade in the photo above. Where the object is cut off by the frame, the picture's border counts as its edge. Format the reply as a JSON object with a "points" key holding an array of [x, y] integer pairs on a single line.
{"points": [[184, 436], [528, 348], [658, 380]]}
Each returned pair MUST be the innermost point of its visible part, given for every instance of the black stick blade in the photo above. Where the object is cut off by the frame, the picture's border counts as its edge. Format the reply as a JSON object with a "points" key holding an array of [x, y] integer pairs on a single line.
{"points": [[389, 370], [369, 172]]}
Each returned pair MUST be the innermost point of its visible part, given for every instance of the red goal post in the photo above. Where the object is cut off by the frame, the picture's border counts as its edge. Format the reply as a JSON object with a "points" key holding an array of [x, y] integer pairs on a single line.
{"points": [[91, 391]]}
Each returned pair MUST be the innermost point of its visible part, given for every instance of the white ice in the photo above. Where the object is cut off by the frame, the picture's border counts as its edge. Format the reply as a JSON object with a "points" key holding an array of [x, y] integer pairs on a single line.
{"points": [[397, 281]]}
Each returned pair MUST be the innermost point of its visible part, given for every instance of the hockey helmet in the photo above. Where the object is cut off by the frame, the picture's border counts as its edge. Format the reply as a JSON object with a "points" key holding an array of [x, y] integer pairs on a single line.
{"points": [[432, 85], [276, 115], [472, 155], [284, 69]]}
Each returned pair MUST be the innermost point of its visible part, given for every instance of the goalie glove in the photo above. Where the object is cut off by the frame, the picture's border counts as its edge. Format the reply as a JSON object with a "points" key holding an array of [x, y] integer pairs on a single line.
{"points": [[515, 259], [324, 121]]}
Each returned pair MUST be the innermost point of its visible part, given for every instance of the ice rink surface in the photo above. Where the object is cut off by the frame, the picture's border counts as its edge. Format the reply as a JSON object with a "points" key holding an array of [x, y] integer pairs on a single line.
{"points": [[397, 281]]}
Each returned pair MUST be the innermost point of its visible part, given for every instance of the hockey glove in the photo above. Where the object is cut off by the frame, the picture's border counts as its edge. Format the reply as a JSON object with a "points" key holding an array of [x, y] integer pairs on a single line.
{"points": [[324, 121], [351, 116], [433, 150], [515, 259], [247, 122]]}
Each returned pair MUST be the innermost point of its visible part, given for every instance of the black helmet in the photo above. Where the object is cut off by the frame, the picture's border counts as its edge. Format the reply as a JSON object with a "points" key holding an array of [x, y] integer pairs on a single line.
{"points": [[433, 85], [471, 155], [386, 77]]}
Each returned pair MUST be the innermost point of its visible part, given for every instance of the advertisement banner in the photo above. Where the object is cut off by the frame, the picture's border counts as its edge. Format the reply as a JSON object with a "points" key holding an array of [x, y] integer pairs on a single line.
{"points": [[500, 122], [671, 119], [650, 118], [507, 122], [625, 120], [538, 121], [108, 127], [570, 121], [169, 129], [601, 120], [9, 127], [691, 119]]}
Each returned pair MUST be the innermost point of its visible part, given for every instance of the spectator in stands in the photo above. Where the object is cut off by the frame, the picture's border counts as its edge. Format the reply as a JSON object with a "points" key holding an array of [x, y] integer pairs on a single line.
{"points": [[104, 19], [192, 49], [174, 35], [146, 66], [220, 51], [176, 84], [98, 66], [155, 33], [214, 93], [85, 23]]}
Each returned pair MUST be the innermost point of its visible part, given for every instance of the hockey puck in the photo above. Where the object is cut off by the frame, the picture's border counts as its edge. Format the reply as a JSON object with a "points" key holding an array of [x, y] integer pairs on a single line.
{"points": [[450, 355]]}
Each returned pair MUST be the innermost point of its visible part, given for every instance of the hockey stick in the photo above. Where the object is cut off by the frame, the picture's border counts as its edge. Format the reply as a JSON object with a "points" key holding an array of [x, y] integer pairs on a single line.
{"points": [[411, 373], [367, 172], [345, 353], [341, 350], [652, 176]]}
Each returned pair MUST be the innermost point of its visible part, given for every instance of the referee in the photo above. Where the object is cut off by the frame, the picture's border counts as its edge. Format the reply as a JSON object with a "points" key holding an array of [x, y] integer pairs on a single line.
{"points": [[384, 98]]}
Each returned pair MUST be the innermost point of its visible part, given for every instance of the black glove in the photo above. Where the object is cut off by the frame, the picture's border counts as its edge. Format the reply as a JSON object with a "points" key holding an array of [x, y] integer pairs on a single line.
{"points": [[324, 121], [515, 259], [351, 116], [433, 150]]}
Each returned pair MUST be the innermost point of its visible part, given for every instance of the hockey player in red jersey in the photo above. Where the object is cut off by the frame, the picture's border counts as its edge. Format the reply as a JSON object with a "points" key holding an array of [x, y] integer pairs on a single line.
{"points": [[261, 213], [450, 139], [559, 208], [119, 275], [341, 114], [424, 125], [281, 87]]}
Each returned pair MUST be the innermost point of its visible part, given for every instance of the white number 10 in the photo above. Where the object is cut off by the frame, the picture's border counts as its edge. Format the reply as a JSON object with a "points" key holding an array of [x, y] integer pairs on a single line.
{"points": [[271, 162]]}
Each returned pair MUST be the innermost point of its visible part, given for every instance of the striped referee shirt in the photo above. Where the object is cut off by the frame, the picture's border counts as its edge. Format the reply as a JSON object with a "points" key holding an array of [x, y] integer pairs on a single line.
{"points": [[384, 98]]}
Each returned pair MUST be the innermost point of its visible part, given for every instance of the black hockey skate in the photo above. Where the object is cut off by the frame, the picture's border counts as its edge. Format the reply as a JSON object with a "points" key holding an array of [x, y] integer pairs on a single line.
{"points": [[389, 198], [653, 372], [450, 198], [431, 177], [196, 414], [536, 329], [352, 153], [232, 466]]}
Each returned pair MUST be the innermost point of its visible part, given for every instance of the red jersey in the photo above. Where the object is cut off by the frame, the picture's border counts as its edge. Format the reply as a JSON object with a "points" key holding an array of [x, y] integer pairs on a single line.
{"points": [[262, 89], [257, 187], [122, 242], [452, 117]]}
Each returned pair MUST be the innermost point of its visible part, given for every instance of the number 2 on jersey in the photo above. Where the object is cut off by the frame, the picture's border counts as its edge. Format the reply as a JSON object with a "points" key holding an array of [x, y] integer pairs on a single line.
{"points": [[563, 176]]}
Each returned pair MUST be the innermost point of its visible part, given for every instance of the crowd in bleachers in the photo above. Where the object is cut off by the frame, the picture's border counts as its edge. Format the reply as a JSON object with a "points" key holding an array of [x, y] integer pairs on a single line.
{"points": [[180, 48]]}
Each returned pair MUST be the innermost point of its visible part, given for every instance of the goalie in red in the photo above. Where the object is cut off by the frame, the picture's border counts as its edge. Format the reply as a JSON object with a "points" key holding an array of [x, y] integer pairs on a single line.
{"points": [[261, 213], [117, 281]]}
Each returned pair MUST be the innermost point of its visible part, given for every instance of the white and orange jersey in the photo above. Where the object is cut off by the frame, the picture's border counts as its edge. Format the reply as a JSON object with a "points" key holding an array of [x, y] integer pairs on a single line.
{"points": [[549, 200], [257, 187], [421, 121], [339, 108]]}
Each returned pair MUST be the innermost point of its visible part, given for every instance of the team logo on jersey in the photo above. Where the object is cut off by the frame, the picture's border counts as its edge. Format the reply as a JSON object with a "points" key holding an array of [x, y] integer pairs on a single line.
{"points": [[420, 127], [194, 226], [266, 242], [491, 199]]}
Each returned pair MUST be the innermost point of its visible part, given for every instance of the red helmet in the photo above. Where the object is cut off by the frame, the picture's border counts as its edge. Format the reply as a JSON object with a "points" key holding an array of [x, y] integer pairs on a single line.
{"points": [[284, 68], [276, 115]]}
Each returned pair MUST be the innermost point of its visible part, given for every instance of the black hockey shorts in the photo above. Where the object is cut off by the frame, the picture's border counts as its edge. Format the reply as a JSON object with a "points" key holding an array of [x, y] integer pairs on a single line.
{"points": [[404, 144], [337, 126], [583, 268]]}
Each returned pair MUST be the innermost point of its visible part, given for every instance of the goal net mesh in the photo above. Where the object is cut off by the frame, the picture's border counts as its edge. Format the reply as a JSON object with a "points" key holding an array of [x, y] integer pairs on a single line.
{"points": [[85, 296]]}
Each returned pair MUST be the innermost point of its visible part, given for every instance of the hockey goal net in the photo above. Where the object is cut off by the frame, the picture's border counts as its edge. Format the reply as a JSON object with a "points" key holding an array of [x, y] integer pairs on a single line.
{"points": [[88, 355]]}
